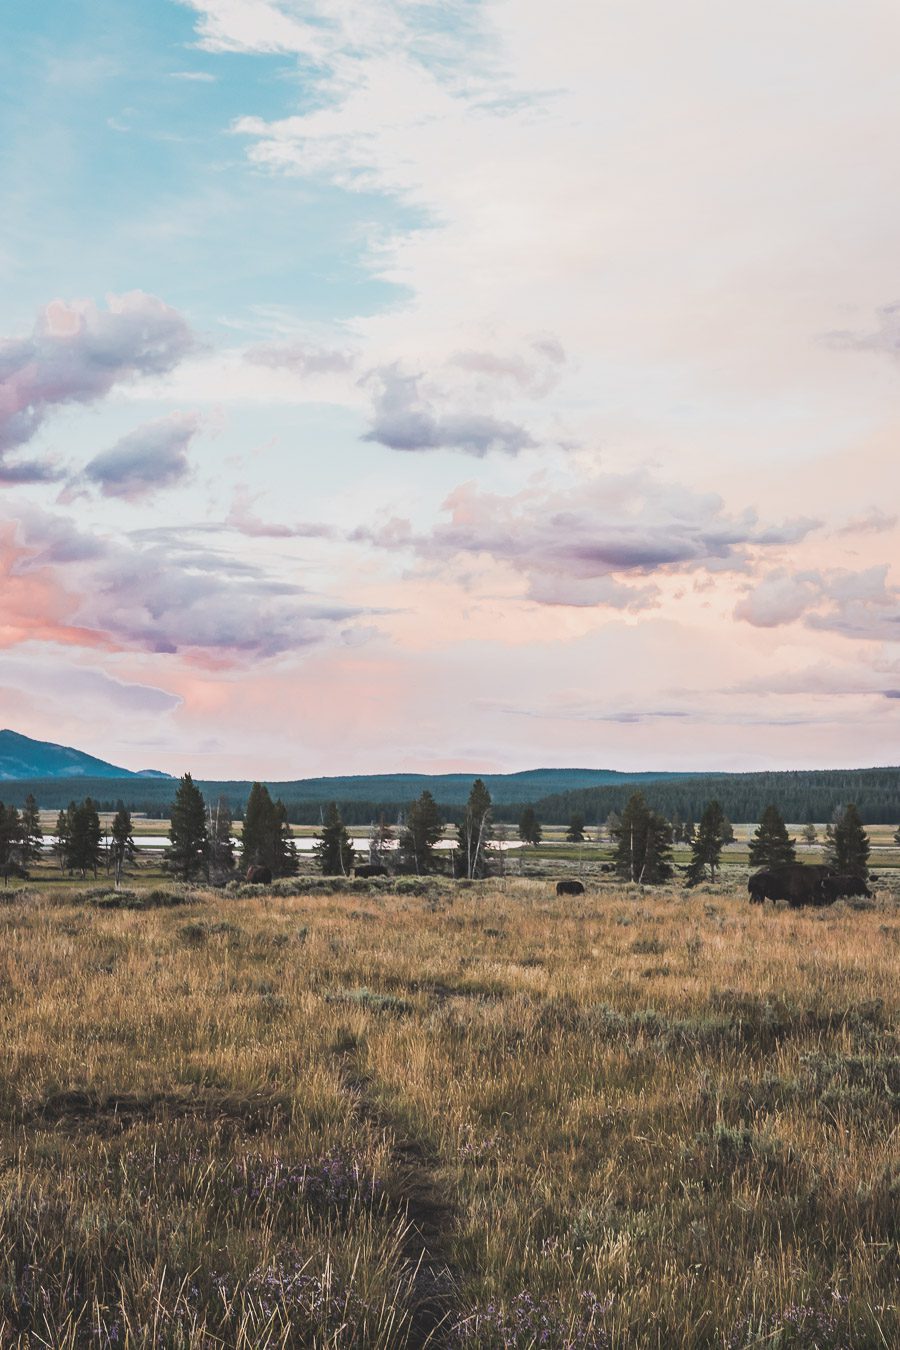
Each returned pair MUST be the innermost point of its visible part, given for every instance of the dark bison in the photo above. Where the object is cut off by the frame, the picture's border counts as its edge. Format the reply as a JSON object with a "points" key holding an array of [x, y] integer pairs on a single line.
{"points": [[569, 888], [259, 876], [798, 883], [371, 870], [837, 887]]}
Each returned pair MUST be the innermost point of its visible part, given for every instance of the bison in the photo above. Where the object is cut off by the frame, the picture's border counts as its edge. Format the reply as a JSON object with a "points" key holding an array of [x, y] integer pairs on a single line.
{"points": [[259, 876], [371, 870], [798, 883], [840, 886], [569, 888]]}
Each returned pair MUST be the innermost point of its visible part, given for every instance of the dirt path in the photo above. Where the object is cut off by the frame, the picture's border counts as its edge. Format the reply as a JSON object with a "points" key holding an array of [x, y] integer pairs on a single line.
{"points": [[417, 1193]]}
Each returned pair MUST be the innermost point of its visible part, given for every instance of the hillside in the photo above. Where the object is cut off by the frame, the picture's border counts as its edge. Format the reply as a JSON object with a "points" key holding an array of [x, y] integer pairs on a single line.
{"points": [[21, 758]]}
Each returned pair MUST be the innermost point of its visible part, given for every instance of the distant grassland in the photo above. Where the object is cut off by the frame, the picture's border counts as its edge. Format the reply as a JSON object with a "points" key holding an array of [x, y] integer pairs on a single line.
{"points": [[360, 1115]]}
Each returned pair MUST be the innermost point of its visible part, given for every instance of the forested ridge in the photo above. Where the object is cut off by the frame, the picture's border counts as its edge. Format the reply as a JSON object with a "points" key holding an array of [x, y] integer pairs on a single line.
{"points": [[801, 795]]}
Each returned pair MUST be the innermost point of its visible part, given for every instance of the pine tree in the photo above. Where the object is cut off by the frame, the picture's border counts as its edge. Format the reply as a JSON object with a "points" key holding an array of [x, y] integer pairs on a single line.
{"points": [[847, 847], [809, 833], [83, 846], [219, 828], [188, 851], [706, 848], [642, 840], [32, 834], [266, 839], [575, 832], [529, 827], [419, 835], [771, 844], [334, 849], [122, 849], [61, 847], [11, 842], [474, 833]]}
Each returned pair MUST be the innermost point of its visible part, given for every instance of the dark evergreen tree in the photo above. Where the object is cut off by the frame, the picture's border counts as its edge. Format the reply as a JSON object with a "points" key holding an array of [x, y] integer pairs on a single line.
{"points": [[771, 844], [186, 857], [334, 849], [529, 826], [121, 847], [12, 843], [575, 832], [474, 832], [643, 843], [266, 839], [61, 847], [727, 831], [706, 847], [219, 828], [32, 833], [809, 833], [847, 846], [420, 834], [84, 845]]}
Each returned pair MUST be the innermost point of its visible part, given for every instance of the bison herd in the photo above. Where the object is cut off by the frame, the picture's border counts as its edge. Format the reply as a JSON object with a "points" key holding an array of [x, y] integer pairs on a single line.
{"points": [[803, 884]]}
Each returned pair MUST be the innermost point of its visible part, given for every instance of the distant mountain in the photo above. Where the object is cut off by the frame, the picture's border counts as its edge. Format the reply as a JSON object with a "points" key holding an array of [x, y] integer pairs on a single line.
{"points": [[21, 757]]}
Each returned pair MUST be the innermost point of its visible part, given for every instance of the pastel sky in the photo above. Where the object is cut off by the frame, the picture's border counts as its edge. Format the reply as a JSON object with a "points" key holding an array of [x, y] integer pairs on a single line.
{"points": [[484, 384]]}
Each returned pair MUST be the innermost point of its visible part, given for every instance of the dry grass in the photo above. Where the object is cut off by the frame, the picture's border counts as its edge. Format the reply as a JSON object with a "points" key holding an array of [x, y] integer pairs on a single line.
{"points": [[473, 1117]]}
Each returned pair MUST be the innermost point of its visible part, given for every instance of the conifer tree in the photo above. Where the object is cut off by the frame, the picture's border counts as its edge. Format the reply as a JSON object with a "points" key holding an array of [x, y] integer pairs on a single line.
{"points": [[575, 832], [474, 832], [809, 833], [771, 844], [219, 827], [11, 842], [334, 849], [61, 847], [83, 846], [706, 847], [121, 848], [847, 846], [420, 834], [188, 851], [380, 842], [266, 839], [32, 834], [643, 843], [529, 827]]}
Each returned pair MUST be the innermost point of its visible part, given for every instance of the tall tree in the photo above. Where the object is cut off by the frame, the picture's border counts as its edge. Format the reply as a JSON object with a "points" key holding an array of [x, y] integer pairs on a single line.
{"points": [[83, 849], [11, 842], [529, 827], [706, 847], [32, 833], [420, 834], [809, 833], [643, 843], [61, 847], [121, 847], [474, 833], [188, 851], [219, 827], [771, 844], [334, 849], [847, 844], [266, 839], [575, 832]]}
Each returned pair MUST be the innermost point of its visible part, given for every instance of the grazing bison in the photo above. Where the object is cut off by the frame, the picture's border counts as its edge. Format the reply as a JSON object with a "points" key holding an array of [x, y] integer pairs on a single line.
{"points": [[371, 870], [840, 886], [259, 876], [798, 883], [569, 888]]}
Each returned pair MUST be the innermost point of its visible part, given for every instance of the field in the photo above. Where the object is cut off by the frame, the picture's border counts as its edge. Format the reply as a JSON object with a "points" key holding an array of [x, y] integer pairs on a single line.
{"points": [[471, 1116]]}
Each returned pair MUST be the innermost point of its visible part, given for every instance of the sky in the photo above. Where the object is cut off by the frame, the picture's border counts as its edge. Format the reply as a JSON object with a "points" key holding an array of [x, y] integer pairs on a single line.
{"points": [[390, 385]]}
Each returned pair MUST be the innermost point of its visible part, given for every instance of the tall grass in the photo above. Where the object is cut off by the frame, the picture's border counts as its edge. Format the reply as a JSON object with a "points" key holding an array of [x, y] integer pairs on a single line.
{"points": [[466, 1117]]}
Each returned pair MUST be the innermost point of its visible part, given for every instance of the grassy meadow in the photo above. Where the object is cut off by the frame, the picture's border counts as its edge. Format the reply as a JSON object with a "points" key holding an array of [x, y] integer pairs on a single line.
{"points": [[420, 1114]]}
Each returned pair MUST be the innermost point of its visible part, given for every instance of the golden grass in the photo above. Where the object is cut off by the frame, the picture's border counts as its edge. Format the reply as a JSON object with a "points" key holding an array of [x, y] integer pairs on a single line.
{"points": [[475, 1117]]}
